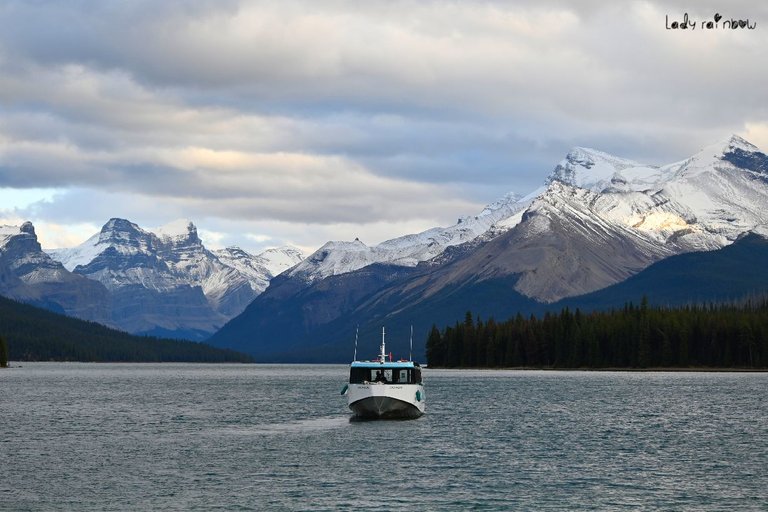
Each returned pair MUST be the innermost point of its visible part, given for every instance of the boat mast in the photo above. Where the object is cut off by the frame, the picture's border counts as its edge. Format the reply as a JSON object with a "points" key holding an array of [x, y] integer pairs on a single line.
{"points": [[383, 355], [410, 352], [357, 328]]}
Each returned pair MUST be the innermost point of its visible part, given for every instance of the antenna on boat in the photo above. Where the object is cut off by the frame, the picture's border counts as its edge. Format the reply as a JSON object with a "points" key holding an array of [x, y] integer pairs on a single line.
{"points": [[383, 355], [357, 328], [410, 352]]}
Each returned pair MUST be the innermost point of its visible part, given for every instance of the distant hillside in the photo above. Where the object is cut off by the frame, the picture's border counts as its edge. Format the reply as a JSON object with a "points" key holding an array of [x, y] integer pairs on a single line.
{"points": [[35, 334], [597, 221], [730, 274]]}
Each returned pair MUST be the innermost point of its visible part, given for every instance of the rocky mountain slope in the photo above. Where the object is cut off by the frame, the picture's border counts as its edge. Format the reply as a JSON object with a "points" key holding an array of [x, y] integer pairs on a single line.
{"points": [[259, 269], [30, 275], [336, 258], [598, 220], [163, 282]]}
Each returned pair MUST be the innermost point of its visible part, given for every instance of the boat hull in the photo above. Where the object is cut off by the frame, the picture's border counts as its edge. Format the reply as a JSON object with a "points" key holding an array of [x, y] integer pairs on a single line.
{"points": [[381, 401], [384, 407]]}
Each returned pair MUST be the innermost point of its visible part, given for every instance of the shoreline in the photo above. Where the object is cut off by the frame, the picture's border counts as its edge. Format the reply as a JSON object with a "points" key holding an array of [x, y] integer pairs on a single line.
{"points": [[694, 369]]}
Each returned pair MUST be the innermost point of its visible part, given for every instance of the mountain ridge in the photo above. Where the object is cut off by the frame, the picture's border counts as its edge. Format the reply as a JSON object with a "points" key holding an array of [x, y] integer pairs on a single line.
{"points": [[164, 283], [597, 221]]}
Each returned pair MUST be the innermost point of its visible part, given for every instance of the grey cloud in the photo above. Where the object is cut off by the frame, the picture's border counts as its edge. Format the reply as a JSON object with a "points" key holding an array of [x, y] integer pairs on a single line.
{"points": [[474, 97], [256, 215], [307, 54]]}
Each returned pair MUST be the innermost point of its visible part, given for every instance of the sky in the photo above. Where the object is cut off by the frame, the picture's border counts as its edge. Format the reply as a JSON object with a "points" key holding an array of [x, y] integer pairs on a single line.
{"points": [[301, 121]]}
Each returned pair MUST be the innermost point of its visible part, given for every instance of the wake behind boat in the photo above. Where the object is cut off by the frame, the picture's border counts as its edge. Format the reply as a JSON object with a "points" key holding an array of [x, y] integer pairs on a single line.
{"points": [[381, 389]]}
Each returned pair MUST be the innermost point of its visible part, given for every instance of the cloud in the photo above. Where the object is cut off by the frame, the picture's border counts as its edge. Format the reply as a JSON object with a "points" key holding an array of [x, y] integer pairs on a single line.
{"points": [[334, 114], [72, 224]]}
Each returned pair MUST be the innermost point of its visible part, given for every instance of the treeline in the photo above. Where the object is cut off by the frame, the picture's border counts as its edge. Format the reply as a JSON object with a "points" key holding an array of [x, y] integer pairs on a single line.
{"points": [[34, 334], [714, 336]]}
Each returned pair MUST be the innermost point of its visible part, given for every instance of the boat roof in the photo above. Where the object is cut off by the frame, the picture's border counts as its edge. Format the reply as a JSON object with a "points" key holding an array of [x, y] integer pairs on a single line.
{"points": [[379, 364]]}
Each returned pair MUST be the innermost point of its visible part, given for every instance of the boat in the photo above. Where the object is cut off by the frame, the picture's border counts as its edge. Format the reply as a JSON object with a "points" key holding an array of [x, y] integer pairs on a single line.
{"points": [[385, 389]]}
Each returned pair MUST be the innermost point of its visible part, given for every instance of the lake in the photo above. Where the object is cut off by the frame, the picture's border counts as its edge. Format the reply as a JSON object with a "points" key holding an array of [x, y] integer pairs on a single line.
{"points": [[279, 437]]}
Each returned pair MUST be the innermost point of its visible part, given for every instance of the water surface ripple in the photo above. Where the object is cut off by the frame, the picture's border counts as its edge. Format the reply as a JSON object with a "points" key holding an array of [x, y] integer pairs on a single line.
{"points": [[277, 437]]}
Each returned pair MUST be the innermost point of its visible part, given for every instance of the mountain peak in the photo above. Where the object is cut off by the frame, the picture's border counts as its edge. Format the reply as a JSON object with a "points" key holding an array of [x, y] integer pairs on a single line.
{"points": [[733, 149], [118, 224], [117, 229], [589, 168], [736, 142], [28, 228], [722, 147], [356, 245]]}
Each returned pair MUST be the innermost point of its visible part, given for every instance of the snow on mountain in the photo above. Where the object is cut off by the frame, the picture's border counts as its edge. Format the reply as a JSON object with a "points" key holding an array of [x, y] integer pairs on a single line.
{"points": [[597, 220], [21, 254], [79, 255], [261, 268], [164, 281], [30, 275], [590, 168], [6, 232], [123, 254], [279, 259], [628, 215], [173, 255], [340, 257], [702, 203]]}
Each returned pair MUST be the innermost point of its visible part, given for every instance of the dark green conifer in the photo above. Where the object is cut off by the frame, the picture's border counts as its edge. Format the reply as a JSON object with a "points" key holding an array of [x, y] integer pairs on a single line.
{"points": [[3, 353], [725, 335]]}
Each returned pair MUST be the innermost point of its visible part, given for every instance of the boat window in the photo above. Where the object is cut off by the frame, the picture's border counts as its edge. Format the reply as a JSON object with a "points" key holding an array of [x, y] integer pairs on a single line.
{"points": [[388, 375], [358, 375], [381, 375], [365, 375]]}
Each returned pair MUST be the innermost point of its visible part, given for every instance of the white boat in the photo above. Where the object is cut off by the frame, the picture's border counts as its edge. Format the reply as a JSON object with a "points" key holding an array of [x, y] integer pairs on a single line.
{"points": [[385, 389]]}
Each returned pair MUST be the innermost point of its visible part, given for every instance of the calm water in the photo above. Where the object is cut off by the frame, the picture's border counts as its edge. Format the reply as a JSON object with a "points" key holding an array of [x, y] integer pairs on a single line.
{"points": [[253, 437]]}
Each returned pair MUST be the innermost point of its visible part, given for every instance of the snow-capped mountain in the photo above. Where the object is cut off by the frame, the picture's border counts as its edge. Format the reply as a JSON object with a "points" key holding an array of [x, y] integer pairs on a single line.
{"points": [[598, 220], [338, 257], [30, 275], [166, 279], [261, 268], [603, 218], [170, 255], [701, 203], [25, 258]]}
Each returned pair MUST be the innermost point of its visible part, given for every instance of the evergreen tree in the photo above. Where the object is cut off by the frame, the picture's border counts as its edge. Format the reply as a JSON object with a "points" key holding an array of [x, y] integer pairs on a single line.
{"points": [[435, 347], [3, 353], [643, 336]]}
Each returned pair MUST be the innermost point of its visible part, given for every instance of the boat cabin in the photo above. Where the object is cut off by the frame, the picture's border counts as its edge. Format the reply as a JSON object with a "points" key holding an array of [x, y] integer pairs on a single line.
{"points": [[406, 372]]}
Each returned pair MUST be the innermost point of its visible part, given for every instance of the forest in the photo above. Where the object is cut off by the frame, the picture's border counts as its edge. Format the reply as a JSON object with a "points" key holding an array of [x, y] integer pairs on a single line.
{"points": [[28, 333], [636, 336]]}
